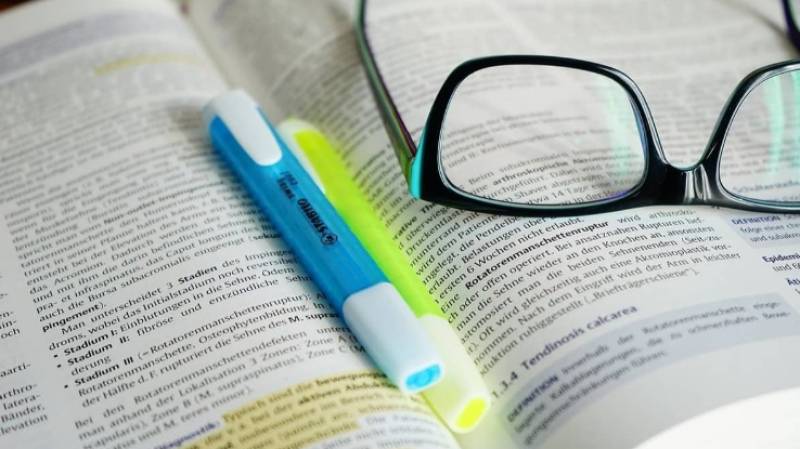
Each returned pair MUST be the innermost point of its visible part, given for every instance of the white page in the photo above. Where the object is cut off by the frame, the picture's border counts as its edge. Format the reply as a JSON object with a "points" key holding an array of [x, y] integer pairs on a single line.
{"points": [[143, 302], [514, 286]]}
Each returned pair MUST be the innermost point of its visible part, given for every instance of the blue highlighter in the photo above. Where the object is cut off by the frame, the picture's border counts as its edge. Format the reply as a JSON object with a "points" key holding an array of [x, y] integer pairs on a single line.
{"points": [[341, 268]]}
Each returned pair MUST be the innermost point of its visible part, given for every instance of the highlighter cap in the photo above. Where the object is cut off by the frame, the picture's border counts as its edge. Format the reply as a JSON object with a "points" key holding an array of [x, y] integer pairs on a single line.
{"points": [[289, 129], [247, 123], [393, 337], [461, 399]]}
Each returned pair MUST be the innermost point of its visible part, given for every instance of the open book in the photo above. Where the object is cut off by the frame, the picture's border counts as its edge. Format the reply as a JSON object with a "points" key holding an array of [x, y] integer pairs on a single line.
{"points": [[145, 304]]}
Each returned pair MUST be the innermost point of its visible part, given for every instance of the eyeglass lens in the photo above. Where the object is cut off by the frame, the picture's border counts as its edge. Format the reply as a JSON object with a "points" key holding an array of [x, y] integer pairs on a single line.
{"points": [[537, 134], [761, 154]]}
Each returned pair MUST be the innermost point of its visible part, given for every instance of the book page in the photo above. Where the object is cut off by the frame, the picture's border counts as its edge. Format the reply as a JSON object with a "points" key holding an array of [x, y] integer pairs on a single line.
{"points": [[143, 301], [598, 331]]}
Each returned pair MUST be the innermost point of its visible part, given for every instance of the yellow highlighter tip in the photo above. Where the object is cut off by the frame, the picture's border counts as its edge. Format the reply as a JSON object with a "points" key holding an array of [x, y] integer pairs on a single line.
{"points": [[471, 414]]}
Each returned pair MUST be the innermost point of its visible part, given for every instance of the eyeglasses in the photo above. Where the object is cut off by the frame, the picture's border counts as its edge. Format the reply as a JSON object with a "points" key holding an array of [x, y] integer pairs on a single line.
{"points": [[552, 136]]}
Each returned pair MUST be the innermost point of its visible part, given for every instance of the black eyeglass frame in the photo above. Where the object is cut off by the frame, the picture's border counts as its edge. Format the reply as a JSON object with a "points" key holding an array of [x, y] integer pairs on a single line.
{"points": [[791, 24], [661, 183]]}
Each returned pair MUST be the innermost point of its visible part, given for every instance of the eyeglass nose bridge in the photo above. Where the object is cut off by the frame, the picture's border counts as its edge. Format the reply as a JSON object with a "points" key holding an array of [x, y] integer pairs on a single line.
{"points": [[690, 185], [697, 188]]}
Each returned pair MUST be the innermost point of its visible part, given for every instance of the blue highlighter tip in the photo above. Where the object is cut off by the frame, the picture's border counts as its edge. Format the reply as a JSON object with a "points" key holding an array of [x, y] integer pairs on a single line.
{"points": [[423, 378]]}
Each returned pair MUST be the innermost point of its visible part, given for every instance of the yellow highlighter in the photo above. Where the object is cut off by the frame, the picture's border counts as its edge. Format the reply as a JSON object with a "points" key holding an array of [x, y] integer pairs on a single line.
{"points": [[461, 398]]}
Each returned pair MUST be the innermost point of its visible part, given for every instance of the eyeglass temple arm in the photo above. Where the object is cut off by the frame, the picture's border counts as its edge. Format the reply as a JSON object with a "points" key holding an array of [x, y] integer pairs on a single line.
{"points": [[403, 144], [791, 24]]}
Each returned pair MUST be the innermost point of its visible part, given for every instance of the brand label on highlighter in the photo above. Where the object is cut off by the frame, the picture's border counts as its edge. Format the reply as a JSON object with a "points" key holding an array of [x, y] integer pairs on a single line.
{"points": [[287, 183], [325, 235]]}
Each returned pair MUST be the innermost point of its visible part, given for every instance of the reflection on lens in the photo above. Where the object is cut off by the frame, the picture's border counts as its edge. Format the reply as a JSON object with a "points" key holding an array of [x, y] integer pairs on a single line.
{"points": [[761, 157], [541, 135], [794, 10]]}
